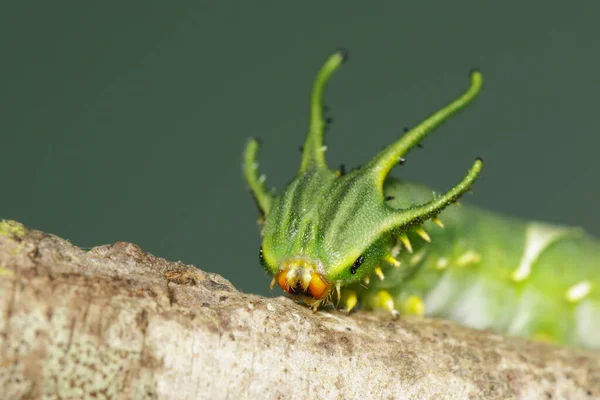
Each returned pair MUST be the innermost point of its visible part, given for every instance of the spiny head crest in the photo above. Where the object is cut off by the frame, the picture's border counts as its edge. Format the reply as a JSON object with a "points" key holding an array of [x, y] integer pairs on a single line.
{"points": [[328, 219]]}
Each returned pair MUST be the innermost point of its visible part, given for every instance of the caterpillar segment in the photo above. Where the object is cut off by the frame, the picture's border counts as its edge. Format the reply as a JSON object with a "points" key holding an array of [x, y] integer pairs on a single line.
{"points": [[488, 271]]}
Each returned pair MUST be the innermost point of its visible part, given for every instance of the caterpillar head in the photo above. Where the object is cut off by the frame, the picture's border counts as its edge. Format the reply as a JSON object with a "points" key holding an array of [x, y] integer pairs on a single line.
{"points": [[327, 229]]}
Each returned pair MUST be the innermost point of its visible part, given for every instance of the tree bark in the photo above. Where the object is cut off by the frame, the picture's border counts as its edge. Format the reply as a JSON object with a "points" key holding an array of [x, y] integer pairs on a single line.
{"points": [[116, 322]]}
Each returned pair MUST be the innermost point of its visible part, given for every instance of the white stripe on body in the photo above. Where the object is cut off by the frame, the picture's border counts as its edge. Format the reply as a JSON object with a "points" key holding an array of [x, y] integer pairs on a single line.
{"points": [[538, 236]]}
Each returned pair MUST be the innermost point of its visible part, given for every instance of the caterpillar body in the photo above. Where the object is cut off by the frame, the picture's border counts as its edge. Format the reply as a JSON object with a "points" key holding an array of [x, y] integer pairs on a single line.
{"points": [[364, 238]]}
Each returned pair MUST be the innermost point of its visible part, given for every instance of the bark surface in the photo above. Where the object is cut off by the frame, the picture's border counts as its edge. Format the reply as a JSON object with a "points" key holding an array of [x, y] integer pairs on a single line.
{"points": [[116, 322]]}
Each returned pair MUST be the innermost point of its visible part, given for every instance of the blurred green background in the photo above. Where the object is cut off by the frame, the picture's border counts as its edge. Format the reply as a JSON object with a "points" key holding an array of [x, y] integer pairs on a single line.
{"points": [[125, 121]]}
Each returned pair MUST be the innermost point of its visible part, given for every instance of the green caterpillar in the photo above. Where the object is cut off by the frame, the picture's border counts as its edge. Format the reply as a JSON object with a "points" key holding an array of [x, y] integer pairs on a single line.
{"points": [[362, 238]]}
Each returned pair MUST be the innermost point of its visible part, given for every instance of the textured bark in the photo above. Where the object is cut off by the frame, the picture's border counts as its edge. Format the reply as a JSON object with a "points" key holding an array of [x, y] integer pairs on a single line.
{"points": [[116, 322]]}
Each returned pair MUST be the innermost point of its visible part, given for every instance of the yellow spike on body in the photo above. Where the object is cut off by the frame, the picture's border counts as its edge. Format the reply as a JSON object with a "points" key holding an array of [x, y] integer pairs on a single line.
{"points": [[351, 300], [467, 258], [413, 305], [396, 249], [392, 261], [379, 273], [414, 260], [421, 232], [442, 263], [338, 289], [406, 242], [272, 285], [438, 222], [367, 280]]}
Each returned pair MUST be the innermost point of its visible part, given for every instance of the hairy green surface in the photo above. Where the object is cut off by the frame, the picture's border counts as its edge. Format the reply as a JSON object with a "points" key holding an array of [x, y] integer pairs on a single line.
{"points": [[364, 235]]}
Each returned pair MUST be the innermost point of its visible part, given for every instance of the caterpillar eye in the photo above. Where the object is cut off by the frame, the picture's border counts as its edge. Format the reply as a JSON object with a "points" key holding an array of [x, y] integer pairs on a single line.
{"points": [[261, 258], [357, 264]]}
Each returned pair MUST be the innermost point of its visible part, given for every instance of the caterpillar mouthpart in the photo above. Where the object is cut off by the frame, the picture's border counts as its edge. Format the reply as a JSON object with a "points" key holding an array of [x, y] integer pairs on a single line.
{"points": [[303, 282]]}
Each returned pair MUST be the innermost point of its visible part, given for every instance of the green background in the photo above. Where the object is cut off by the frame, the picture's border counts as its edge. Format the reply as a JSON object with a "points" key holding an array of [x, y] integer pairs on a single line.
{"points": [[125, 121]]}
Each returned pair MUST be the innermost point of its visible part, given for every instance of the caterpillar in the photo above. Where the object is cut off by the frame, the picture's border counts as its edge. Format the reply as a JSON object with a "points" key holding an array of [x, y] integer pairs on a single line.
{"points": [[363, 238]]}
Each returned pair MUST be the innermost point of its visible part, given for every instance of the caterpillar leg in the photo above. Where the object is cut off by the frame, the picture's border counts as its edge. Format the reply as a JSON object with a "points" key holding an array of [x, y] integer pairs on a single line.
{"points": [[349, 300], [413, 305], [382, 300]]}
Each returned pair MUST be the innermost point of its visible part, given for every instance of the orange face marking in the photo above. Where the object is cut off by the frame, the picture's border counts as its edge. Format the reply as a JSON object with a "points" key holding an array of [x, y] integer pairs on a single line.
{"points": [[294, 282], [318, 286], [282, 280]]}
